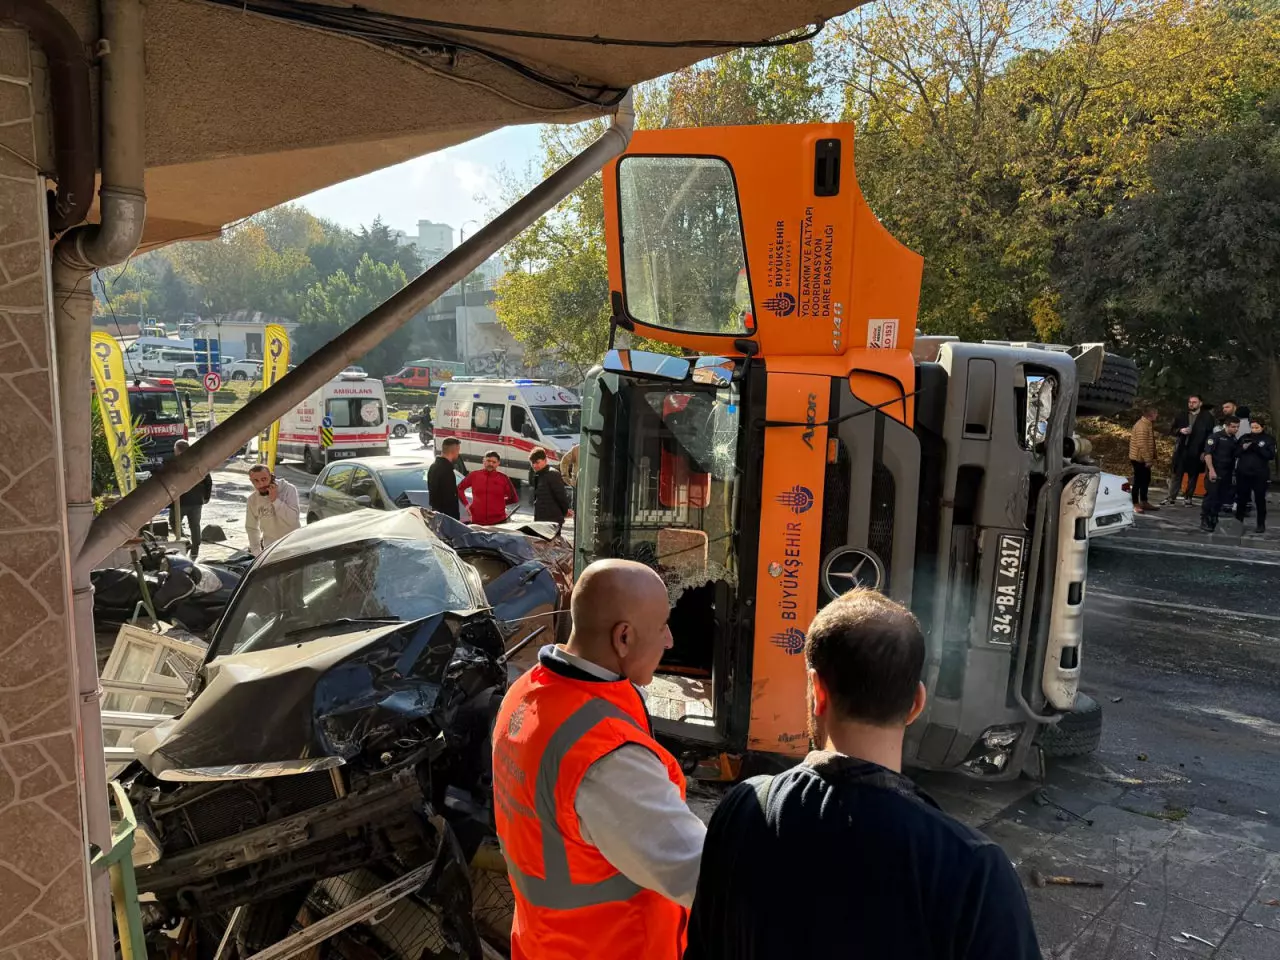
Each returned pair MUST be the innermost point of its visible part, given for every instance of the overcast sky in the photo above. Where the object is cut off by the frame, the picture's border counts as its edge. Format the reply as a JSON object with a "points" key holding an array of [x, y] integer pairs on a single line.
{"points": [[449, 186]]}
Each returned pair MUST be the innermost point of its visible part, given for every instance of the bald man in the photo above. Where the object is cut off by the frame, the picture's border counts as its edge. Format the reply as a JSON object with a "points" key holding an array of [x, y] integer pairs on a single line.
{"points": [[602, 849]]}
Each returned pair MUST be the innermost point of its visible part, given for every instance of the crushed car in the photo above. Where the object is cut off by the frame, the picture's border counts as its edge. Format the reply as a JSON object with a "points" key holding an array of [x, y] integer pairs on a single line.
{"points": [[340, 722]]}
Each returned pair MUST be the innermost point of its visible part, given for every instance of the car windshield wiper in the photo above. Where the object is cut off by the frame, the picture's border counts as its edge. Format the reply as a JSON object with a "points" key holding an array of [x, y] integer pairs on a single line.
{"points": [[340, 622]]}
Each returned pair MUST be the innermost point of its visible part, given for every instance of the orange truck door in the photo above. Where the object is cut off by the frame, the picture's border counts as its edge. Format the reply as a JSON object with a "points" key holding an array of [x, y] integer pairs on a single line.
{"points": [[692, 214]]}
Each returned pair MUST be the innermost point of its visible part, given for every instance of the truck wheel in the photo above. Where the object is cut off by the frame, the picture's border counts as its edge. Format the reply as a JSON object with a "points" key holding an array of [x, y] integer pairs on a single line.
{"points": [[268, 922], [1077, 733], [309, 463], [1114, 390]]}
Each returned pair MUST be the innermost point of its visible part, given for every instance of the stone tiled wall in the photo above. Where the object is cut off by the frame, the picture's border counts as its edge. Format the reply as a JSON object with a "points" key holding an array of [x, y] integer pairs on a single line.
{"points": [[43, 882]]}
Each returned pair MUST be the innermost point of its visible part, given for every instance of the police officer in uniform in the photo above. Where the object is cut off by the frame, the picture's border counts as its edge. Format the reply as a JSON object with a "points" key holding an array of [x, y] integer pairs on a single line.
{"points": [[1253, 471], [1220, 460]]}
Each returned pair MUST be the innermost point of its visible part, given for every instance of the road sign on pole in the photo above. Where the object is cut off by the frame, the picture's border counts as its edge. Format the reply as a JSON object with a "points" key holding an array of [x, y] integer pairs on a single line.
{"points": [[212, 384], [327, 422], [326, 436]]}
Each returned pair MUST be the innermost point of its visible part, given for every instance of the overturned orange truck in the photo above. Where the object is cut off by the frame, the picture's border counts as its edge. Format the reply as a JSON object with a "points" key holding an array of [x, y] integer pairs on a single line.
{"points": [[808, 442]]}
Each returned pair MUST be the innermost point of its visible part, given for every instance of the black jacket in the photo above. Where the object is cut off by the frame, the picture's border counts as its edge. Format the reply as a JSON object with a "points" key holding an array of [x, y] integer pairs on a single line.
{"points": [[550, 496], [1222, 450], [198, 495], [442, 488], [1188, 449], [844, 858], [1256, 451]]}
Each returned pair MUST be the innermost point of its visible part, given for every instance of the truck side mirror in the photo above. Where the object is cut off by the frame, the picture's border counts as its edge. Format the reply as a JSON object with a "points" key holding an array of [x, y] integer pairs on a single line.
{"points": [[528, 431]]}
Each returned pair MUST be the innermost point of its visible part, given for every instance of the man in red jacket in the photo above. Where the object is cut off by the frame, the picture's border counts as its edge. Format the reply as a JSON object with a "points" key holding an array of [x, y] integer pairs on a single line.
{"points": [[491, 491]]}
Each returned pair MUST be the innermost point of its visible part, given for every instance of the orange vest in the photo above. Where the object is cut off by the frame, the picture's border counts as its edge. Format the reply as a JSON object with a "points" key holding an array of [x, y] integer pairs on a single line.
{"points": [[570, 903]]}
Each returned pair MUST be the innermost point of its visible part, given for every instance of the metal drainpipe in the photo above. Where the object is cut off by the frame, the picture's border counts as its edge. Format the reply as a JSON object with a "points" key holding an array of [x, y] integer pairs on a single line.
{"points": [[76, 255], [123, 520]]}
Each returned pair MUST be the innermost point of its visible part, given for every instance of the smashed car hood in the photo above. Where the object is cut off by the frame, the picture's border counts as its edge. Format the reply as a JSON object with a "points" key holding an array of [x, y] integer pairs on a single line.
{"points": [[363, 524], [319, 698]]}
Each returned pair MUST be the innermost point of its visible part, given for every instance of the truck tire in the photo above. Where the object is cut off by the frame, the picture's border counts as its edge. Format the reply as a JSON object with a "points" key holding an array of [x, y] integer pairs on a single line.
{"points": [[309, 462], [1078, 733], [1114, 390]]}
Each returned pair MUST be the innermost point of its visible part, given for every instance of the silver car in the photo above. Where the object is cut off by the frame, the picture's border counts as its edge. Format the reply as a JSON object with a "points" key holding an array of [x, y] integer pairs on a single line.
{"points": [[381, 483]]}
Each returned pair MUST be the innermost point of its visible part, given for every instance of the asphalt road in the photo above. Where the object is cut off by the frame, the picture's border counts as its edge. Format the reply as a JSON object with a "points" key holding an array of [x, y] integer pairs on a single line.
{"points": [[1184, 655]]}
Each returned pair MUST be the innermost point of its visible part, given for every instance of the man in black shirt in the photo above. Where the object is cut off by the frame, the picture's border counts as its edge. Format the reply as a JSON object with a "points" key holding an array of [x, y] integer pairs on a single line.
{"points": [[190, 505], [442, 482], [1220, 461], [1190, 430], [1253, 472], [551, 500], [843, 856]]}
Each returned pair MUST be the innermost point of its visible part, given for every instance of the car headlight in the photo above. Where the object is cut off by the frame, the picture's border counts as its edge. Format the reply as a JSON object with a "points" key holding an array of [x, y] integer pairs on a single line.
{"points": [[146, 848]]}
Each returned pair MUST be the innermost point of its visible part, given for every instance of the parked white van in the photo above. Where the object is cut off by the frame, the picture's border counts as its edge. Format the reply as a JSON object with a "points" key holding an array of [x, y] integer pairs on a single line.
{"points": [[161, 357], [510, 416], [356, 407]]}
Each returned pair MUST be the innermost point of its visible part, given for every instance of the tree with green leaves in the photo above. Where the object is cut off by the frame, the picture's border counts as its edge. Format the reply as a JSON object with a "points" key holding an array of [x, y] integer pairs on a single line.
{"points": [[1185, 273], [988, 128], [381, 245], [337, 302]]}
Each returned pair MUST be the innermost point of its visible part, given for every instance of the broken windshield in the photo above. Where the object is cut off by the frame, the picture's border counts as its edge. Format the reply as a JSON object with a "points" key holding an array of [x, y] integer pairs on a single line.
{"points": [[661, 467], [370, 580]]}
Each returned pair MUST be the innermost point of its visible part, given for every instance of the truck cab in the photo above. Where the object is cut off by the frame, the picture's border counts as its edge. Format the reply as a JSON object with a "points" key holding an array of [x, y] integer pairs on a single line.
{"points": [[799, 449], [158, 410]]}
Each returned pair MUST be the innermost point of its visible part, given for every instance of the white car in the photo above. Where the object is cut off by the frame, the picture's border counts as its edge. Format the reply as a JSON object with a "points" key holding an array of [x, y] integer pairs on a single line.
{"points": [[167, 362], [1113, 510], [242, 370]]}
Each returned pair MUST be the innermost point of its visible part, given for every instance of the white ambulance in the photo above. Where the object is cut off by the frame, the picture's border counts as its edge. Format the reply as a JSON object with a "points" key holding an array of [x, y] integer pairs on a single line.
{"points": [[355, 408], [510, 416]]}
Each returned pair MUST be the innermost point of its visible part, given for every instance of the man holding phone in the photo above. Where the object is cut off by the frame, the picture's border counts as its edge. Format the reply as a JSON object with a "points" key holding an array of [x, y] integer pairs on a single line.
{"points": [[272, 510]]}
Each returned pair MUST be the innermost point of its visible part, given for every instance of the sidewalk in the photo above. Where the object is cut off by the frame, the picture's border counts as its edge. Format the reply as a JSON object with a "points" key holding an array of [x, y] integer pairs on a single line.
{"points": [[1178, 526], [1176, 882]]}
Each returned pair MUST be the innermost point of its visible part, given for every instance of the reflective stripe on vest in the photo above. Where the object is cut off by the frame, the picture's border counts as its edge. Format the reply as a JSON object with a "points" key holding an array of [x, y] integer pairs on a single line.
{"points": [[557, 891]]}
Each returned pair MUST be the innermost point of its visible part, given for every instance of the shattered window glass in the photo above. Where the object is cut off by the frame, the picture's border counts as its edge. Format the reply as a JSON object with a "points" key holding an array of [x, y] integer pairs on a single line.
{"points": [[308, 597], [663, 473]]}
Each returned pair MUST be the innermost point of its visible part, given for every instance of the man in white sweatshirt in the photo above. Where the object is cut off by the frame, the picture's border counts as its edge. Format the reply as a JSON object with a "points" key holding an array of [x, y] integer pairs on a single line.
{"points": [[272, 510]]}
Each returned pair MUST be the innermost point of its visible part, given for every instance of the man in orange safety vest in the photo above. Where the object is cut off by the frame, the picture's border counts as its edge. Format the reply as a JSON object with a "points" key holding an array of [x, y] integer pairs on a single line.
{"points": [[602, 850]]}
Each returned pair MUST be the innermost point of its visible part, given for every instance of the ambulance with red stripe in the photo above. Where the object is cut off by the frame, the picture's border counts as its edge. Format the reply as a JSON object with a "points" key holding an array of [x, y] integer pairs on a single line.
{"points": [[356, 407], [510, 416]]}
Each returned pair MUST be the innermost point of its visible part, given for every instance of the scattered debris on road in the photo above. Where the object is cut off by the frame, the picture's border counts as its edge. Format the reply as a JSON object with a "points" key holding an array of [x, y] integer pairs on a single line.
{"points": [[1044, 880]]}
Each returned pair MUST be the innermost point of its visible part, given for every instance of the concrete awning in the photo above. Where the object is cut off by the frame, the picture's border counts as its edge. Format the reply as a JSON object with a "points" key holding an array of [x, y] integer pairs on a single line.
{"points": [[246, 110]]}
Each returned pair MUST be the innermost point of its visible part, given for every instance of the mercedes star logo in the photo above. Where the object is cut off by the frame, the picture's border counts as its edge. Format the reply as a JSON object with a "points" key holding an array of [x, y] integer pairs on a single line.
{"points": [[849, 568]]}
